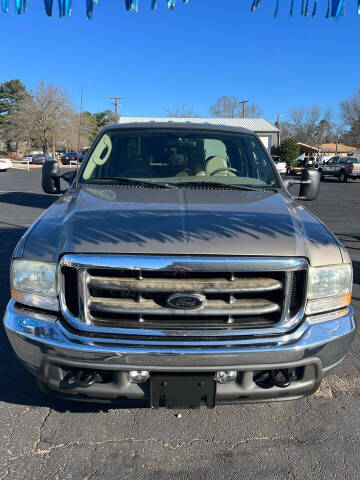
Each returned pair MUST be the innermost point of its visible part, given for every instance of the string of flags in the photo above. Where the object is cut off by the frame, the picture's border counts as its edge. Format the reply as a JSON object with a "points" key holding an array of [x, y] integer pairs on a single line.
{"points": [[335, 8]]}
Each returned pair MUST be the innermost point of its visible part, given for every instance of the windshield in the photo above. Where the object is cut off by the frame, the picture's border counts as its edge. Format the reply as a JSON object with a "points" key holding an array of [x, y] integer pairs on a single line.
{"points": [[180, 156]]}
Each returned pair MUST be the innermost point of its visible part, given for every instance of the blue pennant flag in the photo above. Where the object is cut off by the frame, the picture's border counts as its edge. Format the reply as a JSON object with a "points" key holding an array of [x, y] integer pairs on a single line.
{"points": [[5, 5], [89, 8], [48, 7], [335, 8], [64, 8]]}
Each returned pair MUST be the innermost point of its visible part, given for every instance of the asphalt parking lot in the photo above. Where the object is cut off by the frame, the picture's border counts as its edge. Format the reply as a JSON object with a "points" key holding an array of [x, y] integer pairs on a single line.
{"points": [[317, 437]]}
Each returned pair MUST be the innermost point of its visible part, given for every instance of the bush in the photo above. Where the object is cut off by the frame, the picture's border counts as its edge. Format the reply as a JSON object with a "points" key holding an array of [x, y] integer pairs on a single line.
{"points": [[288, 151]]}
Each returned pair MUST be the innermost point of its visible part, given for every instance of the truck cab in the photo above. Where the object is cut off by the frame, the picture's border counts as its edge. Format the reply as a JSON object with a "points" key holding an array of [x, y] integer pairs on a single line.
{"points": [[176, 271], [342, 168]]}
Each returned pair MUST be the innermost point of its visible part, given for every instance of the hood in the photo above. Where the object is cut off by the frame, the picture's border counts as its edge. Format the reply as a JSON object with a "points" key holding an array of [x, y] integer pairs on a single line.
{"points": [[133, 220]]}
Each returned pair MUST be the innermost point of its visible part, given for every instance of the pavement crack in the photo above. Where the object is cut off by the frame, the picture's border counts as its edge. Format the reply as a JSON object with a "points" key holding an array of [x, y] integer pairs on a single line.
{"points": [[41, 428]]}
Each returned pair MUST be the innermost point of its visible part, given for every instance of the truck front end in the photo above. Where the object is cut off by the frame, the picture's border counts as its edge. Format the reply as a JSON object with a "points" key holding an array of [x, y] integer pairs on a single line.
{"points": [[179, 331]]}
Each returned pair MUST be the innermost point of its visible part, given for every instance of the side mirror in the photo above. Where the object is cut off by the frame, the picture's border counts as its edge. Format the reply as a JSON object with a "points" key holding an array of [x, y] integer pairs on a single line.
{"points": [[310, 184], [50, 177]]}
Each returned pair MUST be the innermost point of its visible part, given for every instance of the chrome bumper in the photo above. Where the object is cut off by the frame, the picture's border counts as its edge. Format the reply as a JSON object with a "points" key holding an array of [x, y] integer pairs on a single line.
{"points": [[36, 337]]}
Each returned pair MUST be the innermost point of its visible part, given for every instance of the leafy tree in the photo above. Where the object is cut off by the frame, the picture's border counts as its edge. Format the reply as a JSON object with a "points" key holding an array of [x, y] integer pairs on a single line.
{"points": [[11, 94], [230, 107], [289, 150], [104, 118], [90, 119], [97, 121]]}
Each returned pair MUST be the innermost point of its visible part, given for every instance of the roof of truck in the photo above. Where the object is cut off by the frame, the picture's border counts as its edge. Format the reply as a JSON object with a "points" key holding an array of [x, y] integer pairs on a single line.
{"points": [[178, 125]]}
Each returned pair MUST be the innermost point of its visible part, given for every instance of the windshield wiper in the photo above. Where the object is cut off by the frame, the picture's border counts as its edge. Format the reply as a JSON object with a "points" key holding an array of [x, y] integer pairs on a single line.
{"points": [[132, 181], [221, 185]]}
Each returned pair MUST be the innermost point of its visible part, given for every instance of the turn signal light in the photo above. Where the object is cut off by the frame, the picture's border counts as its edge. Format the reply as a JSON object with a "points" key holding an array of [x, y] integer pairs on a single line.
{"points": [[327, 304]]}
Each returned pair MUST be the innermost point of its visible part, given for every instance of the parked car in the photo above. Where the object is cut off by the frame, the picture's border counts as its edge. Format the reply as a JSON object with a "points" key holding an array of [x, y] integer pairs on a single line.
{"points": [[27, 158], [280, 165], [5, 164], [67, 158], [342, 168], [40, 158], [173, 275]]}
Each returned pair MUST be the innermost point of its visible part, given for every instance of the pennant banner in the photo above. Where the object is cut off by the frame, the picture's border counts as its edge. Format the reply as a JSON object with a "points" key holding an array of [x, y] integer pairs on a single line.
{"points": [[335, 8]]}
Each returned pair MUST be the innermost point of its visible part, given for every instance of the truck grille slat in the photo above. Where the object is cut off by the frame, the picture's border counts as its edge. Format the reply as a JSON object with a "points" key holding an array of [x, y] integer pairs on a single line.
{"points": [[174, 285], [256, 306], [126, 296]]}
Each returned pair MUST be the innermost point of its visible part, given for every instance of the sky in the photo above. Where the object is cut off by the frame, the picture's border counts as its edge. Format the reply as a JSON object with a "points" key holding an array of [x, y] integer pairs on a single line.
{"points": [[192, 55]]}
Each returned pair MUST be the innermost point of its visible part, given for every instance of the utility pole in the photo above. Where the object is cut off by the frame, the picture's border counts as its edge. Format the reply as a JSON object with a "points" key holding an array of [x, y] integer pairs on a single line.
{"points": [[243, 103], [277, 123], [115, 101]]}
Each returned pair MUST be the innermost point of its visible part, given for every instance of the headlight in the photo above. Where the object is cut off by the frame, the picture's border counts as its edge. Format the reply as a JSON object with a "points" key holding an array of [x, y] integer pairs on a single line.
{"points": [[329, 288], [35, 283]]}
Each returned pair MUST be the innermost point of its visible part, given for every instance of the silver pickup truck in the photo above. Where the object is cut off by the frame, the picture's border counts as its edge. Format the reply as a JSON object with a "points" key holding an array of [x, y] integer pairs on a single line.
{"points": [[342, 168], [177, 270]]}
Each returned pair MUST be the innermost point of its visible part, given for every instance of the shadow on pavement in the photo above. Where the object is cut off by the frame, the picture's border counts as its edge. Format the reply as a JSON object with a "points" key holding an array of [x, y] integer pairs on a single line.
{"points": [[28, 199]]}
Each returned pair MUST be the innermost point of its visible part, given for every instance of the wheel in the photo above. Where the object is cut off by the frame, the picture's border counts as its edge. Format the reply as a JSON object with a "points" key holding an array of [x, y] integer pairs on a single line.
{"points": [[343, 177]]}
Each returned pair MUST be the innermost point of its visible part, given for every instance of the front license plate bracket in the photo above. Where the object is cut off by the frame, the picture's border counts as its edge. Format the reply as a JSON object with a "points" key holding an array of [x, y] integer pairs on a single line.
{"points": [[182, 391]]}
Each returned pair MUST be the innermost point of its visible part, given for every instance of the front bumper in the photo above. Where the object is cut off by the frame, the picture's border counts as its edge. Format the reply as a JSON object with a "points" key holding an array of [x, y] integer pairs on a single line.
{"points": [[41, 343]]}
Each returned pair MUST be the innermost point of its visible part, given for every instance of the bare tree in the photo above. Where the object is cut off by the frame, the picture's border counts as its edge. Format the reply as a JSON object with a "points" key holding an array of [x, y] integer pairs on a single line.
{"points": [[181, 111], [253, 111], [230, 107], [79, 132], [350, 114], [310, 125], [47, 117]]}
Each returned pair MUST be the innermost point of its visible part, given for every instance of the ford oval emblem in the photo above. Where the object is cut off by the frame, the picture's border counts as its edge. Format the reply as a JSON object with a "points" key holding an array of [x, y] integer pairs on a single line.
{"points": [[185, 301]]}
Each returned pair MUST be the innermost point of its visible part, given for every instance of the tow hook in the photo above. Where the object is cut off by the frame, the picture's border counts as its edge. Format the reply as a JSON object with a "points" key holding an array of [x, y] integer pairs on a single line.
{"points": [[282, 378], [279, 377], [82, 379]]}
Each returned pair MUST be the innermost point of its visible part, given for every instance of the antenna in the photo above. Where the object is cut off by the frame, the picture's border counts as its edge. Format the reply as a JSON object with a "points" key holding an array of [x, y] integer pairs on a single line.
{"points": [[79, 136]]}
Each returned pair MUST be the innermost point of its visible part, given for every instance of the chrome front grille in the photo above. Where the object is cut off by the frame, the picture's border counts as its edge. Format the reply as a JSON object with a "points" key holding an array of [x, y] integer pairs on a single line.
{"points": [[126, 296]]}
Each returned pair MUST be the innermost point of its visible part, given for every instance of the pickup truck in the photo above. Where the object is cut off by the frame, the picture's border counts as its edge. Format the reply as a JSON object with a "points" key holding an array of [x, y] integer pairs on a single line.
{"points": [[177, 271], [342, 168]]}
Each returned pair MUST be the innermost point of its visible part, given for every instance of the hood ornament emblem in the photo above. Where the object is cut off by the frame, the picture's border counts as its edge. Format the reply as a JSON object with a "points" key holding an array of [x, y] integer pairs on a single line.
{"points": [[186, 301]]}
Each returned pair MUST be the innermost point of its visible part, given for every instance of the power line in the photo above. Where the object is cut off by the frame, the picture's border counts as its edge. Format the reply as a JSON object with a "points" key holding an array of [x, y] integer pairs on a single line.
{"points": [[278, 116], [115, 101]]}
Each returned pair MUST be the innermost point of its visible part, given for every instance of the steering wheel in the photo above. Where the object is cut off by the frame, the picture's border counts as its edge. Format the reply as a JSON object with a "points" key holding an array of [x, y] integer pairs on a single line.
{"points": [[223, 169]]}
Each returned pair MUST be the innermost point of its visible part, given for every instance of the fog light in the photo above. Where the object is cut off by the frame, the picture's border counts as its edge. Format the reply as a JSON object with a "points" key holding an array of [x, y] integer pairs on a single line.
{"points": [[226, 376], [136, 376]]}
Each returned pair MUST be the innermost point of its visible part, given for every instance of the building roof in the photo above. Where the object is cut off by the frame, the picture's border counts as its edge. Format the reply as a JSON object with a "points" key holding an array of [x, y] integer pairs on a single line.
{"points": [[254, 124], [307, 148], [341, 148]]}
